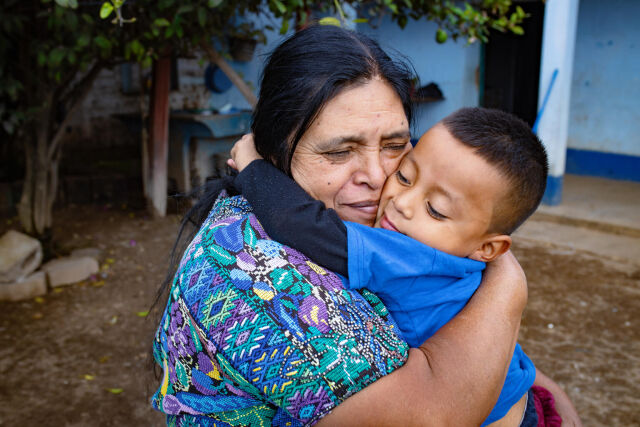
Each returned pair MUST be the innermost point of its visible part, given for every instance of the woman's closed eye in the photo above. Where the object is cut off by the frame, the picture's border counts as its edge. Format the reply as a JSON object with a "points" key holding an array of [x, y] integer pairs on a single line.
{"points": [[434, 213], [396, 147], [338, 154]]}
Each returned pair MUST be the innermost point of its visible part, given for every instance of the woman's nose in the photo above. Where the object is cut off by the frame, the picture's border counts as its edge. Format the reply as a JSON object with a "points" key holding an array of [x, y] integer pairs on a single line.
{"points": [[371, 171]]}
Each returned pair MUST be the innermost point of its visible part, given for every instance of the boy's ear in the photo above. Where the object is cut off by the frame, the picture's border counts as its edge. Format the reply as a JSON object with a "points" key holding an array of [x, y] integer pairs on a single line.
{"points": [[492, 248]]}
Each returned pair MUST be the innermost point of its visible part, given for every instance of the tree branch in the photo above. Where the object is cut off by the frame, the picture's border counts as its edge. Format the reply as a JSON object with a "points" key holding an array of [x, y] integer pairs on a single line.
{"points": [[231, 73]]}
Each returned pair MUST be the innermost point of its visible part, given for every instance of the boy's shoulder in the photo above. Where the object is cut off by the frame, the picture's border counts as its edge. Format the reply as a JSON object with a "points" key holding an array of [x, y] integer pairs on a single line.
{"points": [[384, 247]]}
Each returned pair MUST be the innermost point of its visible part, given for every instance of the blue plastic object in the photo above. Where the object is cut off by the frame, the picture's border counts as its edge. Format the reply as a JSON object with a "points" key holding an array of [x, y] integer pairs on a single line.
{"points": [[216, 80], [544, 101]]}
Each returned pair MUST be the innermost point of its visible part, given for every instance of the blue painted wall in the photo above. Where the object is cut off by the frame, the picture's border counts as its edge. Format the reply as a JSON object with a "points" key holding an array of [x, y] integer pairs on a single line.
{"points": [[605, 93], [452, 66]]}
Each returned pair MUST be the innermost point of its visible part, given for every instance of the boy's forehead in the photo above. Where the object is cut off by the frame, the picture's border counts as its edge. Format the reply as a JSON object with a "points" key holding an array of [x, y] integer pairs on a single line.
{"points": [[457, 169]]}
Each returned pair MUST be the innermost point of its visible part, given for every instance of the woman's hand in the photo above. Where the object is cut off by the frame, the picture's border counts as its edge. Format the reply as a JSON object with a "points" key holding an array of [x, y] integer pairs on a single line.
{"points": [[243, 152]]}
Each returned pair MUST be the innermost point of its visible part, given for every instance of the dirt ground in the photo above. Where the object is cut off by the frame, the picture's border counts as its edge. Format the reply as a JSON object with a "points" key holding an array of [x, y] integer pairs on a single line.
{"points": [[81, 356]]}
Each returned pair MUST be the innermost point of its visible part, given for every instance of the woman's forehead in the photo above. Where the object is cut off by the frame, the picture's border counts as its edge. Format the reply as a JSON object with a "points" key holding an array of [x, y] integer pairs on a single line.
{"points": [[372, 111]]}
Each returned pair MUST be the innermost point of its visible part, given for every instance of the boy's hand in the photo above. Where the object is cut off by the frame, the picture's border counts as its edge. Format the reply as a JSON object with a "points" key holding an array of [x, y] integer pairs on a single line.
{"points": [[243, 153]]}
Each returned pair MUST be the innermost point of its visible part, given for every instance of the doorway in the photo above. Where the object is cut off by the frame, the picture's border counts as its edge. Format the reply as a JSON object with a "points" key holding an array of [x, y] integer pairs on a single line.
{"points": [[511, 66]]}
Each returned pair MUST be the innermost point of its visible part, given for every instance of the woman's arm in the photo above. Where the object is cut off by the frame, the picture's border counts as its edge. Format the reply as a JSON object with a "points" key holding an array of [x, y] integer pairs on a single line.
{"points": [[455, 377], [564, 406]]}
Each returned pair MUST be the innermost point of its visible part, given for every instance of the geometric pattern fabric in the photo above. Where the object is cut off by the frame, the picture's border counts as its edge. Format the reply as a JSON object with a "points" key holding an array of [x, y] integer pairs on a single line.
{"points": [[254, 333]]}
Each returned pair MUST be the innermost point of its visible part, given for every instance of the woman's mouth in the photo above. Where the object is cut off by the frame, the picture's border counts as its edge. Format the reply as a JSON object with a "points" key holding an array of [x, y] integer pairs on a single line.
{"points": [[366, 209], [387, 224]]}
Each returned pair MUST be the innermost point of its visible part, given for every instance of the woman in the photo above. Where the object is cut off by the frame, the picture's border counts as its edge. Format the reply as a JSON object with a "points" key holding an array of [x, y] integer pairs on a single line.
{"points": [[256, 333]]}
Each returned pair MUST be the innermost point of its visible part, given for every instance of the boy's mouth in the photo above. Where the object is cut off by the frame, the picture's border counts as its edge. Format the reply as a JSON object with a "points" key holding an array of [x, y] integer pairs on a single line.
{"points": [[387, 224]]}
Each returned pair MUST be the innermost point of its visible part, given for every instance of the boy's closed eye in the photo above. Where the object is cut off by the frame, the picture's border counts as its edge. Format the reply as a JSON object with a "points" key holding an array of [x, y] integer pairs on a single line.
{"points": [[434, 213], [402, 179]]}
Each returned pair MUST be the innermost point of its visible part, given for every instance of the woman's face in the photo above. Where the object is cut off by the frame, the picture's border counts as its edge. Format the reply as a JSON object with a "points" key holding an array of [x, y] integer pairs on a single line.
{"points": [[355, 143]]}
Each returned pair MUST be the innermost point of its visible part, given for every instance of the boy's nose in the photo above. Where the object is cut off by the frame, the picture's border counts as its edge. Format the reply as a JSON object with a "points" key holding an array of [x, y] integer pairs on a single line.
{"points": [[402, 203]]}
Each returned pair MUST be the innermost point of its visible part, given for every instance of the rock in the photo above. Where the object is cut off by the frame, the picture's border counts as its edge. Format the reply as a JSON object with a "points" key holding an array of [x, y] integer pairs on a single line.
{"points": [[31, 286], [94, 253], [65, 271], [20, 255]]}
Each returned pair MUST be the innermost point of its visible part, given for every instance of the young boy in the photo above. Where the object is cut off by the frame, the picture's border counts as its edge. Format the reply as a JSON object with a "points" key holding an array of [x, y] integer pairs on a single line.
{"points": [[448, 209]]}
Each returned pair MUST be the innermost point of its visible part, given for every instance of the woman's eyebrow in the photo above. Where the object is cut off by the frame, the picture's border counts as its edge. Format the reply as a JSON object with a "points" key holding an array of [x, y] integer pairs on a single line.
{"points": [[333, 142], [405, 133]]}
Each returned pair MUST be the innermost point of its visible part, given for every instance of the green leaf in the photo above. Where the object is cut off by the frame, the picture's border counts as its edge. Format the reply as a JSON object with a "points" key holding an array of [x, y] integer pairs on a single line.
{"points": [[360, 21], [115, 390], [184, 9], [137, 48], [73, 4], [102, 42], [87, 18], [330, 20], [142, 313], [202, 16], [516, 29], [161, 22], [63, 3], [280, 6], [106, 10], [55, 57], [83, 40], [285, 26], [214, 3], [42, 58]]}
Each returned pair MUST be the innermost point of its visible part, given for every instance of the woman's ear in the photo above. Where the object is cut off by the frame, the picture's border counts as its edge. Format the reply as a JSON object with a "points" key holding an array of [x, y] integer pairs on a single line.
{"points": [[492, 248]]}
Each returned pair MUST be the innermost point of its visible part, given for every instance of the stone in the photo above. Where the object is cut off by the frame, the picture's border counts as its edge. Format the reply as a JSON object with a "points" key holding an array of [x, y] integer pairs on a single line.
{"points": [[20, 255], [66, 271], [31, 286], [94, 253]]}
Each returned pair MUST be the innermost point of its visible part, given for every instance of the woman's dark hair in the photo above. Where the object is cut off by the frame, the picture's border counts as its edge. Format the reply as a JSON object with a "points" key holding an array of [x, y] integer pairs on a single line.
{"points": [[304, 73], [301, 75]]}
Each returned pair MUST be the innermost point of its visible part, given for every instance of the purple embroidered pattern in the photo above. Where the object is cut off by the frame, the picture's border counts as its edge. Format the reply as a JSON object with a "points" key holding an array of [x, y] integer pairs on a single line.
{"points": [[256, 334]]}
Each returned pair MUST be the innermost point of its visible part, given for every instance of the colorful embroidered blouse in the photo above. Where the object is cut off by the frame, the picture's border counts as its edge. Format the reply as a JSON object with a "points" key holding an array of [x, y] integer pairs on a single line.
{"points": [[256, 334]]}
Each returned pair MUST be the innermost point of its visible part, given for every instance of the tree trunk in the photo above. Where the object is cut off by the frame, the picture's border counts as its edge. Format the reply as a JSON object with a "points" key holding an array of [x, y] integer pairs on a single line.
{"points": [[43, 146], [41, 177]]}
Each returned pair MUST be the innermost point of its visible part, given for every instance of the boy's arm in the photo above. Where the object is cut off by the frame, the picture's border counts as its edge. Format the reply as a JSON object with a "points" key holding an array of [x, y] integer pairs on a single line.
{"points": [[293, 217]]}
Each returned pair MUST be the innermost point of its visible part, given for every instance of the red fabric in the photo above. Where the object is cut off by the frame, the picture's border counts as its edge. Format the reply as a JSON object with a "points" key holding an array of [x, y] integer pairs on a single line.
{"points": [[545, 408]]}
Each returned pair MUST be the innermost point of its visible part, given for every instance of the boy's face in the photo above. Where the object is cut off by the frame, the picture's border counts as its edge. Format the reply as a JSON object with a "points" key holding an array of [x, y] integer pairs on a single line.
{"points": [[443, 195]]}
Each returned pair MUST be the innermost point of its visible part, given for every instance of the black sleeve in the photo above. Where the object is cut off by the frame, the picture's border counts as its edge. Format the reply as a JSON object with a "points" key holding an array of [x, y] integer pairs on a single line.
{"points": [[294, 218]]}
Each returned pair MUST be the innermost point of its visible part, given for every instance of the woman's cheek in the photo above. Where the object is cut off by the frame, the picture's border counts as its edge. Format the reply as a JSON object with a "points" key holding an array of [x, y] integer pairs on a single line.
{"points": [[391, 162]]}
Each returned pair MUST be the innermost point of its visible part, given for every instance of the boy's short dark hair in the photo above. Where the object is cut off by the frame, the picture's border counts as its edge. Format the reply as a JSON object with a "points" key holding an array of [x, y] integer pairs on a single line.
{"points": [[506, 142]]}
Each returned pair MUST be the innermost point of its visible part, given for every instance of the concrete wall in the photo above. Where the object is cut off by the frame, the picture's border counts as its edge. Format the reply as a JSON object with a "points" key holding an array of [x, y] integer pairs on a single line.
{"points": [[453, 66], [605, 93]]}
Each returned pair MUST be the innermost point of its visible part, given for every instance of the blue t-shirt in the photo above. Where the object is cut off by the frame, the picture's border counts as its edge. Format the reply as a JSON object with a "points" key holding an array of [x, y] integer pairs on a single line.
{"points": [[424, 288]]}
